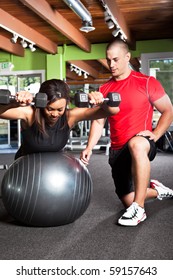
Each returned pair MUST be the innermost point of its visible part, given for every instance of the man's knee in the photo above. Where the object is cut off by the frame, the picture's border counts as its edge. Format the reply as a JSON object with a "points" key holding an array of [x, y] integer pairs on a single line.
{"points": [[138, 145]]}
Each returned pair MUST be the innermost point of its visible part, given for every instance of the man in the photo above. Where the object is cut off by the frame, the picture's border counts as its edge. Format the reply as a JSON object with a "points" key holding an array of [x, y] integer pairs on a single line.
{"points": [[132, 137]]}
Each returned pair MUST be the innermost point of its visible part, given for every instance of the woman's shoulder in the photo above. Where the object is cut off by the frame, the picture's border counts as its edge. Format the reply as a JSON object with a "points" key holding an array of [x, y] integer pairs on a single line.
{"points": [[29, 113], [71, 115]]}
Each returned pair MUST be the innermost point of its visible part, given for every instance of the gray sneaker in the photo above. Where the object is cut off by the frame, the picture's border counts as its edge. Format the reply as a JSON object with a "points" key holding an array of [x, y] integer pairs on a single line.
{"points": [[163, 192]]}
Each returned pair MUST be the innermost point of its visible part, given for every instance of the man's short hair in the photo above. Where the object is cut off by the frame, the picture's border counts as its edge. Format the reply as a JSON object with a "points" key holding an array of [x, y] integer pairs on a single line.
{"points": [[115, 42]]}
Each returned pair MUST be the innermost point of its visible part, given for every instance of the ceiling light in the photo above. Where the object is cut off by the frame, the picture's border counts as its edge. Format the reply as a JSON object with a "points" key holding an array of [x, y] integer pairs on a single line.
{"points": [[110, 24], [14, 38], [116, 32], [109, 16], [71, 68], [108, 20], [32, 48], [85, 75], [87, 26], [80, 73], [122, 38], [23, 43], [83, 13]]}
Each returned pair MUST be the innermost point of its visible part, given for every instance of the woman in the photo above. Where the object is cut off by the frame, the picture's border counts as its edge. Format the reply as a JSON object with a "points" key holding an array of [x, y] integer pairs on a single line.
{"points": [[47, 129]]}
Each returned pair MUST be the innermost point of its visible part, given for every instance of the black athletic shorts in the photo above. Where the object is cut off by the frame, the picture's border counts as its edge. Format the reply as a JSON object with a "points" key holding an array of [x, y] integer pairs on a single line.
{"points": [[120, 162]]}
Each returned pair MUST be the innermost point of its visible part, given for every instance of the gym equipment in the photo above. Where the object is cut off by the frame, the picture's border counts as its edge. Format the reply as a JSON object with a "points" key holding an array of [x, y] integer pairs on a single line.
{"points": [[46, 189], [113, 99], [40, 99]]}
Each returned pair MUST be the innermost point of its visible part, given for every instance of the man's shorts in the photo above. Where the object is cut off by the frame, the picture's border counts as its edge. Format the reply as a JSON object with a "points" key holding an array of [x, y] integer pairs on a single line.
{"points": [[120, 161]]}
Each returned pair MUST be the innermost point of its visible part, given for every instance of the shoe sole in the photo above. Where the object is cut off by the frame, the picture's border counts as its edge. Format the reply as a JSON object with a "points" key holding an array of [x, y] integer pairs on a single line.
{"points": [[163, 187], [139, 221]]}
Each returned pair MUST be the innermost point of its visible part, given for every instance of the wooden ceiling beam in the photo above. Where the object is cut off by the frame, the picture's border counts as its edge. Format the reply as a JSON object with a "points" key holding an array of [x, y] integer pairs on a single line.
{"points": [[87, 81], [71, 75], [6, 45], [24, 30], [104, 63], [86, 67], [55, 19]]}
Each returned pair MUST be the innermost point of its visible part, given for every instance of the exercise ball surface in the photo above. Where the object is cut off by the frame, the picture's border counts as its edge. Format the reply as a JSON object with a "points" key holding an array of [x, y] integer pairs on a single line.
{"points": [[46, 189]]}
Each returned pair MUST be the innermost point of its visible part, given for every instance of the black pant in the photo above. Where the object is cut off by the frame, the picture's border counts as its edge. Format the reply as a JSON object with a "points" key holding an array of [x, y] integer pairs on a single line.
{"points": [[120, 162]]}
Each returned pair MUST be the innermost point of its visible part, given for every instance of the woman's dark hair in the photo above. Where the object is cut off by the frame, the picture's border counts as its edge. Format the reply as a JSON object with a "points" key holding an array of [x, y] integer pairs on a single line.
{"points": [[54, 89]]}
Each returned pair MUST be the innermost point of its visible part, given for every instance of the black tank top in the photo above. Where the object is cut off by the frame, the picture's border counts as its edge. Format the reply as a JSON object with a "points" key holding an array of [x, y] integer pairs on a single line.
{"points": [[33, 141]]}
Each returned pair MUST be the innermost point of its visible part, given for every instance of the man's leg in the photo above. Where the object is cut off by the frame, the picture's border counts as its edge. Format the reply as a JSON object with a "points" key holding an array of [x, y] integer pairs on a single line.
{"points": [[120, 162], [139, 148], [142, 150], [128, 199]]}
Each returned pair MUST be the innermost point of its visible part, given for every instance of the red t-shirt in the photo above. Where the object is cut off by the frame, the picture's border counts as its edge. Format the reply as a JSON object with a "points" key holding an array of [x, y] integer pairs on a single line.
{"points": [[138, 92]]}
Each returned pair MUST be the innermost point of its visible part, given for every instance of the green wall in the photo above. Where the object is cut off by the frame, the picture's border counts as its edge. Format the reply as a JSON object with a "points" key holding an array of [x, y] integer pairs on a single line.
{"points": [[153, 46], [31, 61], [55, 65]]}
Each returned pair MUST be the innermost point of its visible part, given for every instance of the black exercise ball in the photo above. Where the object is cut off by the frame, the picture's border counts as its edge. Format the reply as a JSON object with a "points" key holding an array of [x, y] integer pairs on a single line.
{"points": [[46, 189]]}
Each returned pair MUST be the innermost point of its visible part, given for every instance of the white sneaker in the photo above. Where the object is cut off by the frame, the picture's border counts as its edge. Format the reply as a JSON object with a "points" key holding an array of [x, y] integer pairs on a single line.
{"points": [[133, 215], [163, 192]]}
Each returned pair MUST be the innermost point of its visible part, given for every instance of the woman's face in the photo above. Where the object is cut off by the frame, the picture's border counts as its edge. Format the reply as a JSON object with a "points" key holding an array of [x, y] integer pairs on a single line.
{"points": [[55, 110]]}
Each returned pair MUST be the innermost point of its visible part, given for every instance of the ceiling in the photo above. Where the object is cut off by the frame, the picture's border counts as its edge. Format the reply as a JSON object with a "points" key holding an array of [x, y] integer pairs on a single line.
{"points": [[52, 23]]}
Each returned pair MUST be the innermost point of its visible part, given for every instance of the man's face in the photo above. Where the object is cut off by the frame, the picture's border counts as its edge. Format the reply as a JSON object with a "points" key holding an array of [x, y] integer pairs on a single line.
{"points": [[118, 61]]}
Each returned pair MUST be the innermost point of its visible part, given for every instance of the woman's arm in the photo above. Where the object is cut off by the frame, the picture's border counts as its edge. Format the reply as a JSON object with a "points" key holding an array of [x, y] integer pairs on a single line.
{"points": [[100, 110], [18, 109]]}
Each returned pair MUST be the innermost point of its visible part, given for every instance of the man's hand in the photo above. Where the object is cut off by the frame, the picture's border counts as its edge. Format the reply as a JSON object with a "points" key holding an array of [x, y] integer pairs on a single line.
{"points": [[148, 133], [85, 156], [96, 98]]}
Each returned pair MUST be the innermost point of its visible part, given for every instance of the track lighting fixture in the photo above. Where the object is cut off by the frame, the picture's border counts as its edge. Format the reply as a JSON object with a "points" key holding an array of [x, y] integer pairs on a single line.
{"points": [[14, 38], [112, 21], [23, 43], [32, 48], [108, 20], [71, 67], [79, 71], [110, 24], [122, 37], [86, 75], [116, 32]]}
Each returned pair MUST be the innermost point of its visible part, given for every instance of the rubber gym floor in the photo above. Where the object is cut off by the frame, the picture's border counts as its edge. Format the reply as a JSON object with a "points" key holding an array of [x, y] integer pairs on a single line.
{"points": [[96, 235]]}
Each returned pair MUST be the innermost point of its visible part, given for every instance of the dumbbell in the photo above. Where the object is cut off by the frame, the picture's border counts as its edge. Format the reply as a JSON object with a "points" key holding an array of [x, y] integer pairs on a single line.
{"points": [[113, 99], [40, 99]]}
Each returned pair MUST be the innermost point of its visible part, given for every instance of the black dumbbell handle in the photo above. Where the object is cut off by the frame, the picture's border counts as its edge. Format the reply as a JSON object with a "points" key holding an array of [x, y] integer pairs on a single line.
{"points": [[113, 99], [40, 99]]}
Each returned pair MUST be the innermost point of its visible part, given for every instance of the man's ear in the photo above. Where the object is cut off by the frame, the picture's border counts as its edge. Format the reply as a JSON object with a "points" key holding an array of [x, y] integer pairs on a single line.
{"points": [[128, 55]]}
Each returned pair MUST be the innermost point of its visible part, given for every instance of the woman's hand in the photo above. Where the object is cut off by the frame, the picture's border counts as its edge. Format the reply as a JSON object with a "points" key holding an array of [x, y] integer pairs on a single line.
{"points": [[24, 98]]}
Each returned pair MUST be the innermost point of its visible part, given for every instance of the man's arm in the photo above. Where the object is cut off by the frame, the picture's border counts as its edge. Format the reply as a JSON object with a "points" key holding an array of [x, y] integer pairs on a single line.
{"points": [[164, 106], [94, 136]]}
